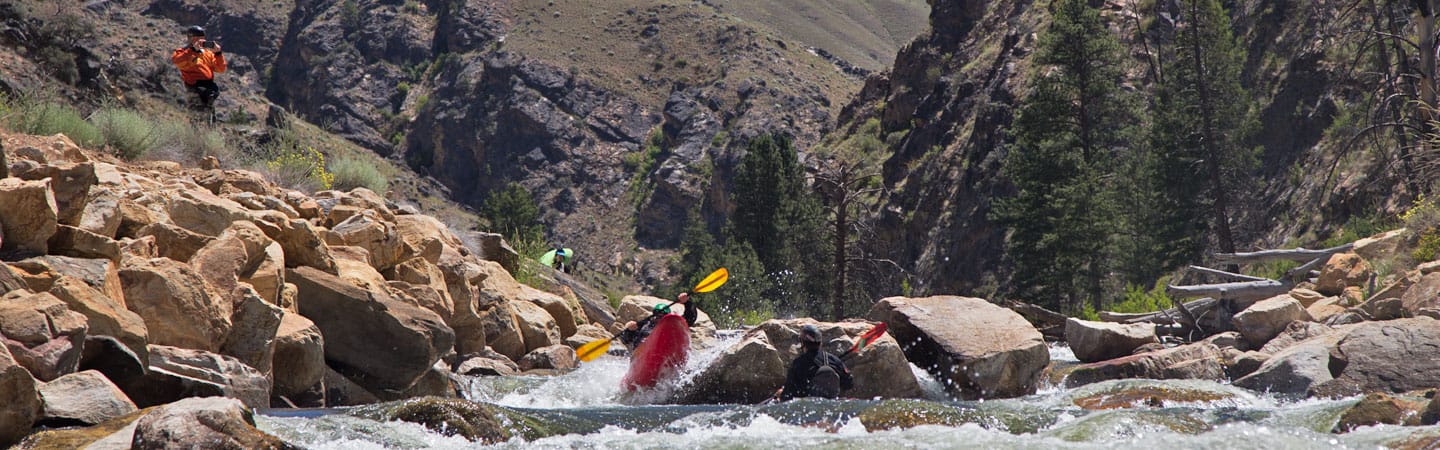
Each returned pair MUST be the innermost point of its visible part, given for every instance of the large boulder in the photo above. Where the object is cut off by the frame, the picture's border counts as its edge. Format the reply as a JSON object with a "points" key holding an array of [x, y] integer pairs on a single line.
{"points": [[41, 272], [108, 356], [378, 341], [105, 316], [174, 242], [753, 369], [22, 405], [233, 254], [1380, 246], [268, 276], [70, 184], [41, 333], [202, 212], [1265, 319], [1099, 341], [1201, 360], [83, 398], [536, 326], [1390, 356], [301, 243], [28, 215], [252, 338], [1295, 333], [1423, 294], [1342, 270], [178, 308], [1295, 369], [177, 373], [1382, 408], [299, 360], [421, 272], [560, 310], [977, 349], [486, 363], [72, 241], [500, 330], [369, 231], [210, 422]]}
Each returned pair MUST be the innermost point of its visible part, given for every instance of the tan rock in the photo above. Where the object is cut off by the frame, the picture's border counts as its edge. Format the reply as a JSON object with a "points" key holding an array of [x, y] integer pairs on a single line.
{"points": [[289, 295], [560, 310], [420, 271], [142, 248], [101, 214], [233, 254], [22, 406], [256, 202], [368, 231], [1343, 269], [1306, 297], [175, 242], [41, 272], [268, 276], [360, 274], [500, 330], [422, 234], [425, 297], [72, 241], [179, 310], [981, 350], [85, 397], [1383, 245], [299, 360], [1200, 361], [1099, 341], [1424, 294], [252, 337], [1325, 309], [41, 333], [70, 186], [28, 215], [585, 334], [1352, 296], [537, 327], [205, 213], [302, 244], [1267, 318], [136, 214], [303, 204], [226, 182], [104, 315], [340, 213]]}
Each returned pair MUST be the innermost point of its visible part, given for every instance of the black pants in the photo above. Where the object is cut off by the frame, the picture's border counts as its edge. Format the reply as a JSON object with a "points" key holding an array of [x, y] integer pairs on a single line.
{"points": [[205, 91]]}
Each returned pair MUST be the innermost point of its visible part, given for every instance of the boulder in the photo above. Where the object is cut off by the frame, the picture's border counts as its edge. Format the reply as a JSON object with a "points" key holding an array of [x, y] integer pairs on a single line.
{"points": [[301, 243], [977, 349], [341, 391], [28, 215], [70, 184], [1343, 269], [233, 254], [72, 241], [425, 236], [368, 231], [425, 297], [210, 422], [537, 328], [1295, 333], [1325, 308], [461, 277], [1198, 361], [1295, 369], [22, 405], [1099, 341], [1384, 308], [136, 214], [1228, 339], [486, 363], [381, 342], [436, 382], [178, 308], [256, 202], [299, 359], [103, 315], [303, 204], [200, 211], [586, 334], [502, 332], [1381, 408], [177, 373], [1424, 294], [556, 357], [451, 417], [1306, 297], [83, 398], [268, 276], [421, 272], [560, 310], [1265, 319], [358, 272], [41, 333], [1383, 245], [1245, 363], [41, 272], [227, 182], [175, 242], [252, 337], [753, 369], [1390, 356]]}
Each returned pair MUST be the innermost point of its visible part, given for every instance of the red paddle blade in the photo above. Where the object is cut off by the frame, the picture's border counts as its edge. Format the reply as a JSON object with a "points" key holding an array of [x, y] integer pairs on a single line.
{"points": [[869, 337]]}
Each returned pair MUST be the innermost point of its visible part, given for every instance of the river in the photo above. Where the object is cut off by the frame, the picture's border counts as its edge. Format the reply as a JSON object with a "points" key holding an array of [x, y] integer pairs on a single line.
{"points": [[588, 404]]}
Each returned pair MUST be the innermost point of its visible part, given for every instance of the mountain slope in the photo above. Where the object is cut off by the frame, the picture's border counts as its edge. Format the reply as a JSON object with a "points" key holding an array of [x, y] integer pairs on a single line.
{"points": [[866, 33]]}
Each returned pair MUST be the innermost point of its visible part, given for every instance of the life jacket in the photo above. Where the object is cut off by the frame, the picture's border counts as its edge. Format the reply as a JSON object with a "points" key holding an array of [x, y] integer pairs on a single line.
{"points": [[826, 381], [197, 65]]}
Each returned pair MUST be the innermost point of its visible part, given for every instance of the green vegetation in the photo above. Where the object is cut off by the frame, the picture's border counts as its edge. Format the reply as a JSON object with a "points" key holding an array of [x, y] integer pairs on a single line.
{"points": [[129, 133], [352, 172], [1062, 222], [300, 168], [32, 116], [1139, 300], [1422, 223], [512, 212]]}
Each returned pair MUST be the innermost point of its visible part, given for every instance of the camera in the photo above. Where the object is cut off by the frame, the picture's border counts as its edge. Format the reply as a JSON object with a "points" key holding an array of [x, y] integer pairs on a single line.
{"points": [[208, 44]]}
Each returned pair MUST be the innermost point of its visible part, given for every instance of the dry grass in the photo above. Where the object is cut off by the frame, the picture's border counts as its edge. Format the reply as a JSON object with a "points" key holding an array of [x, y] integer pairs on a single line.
{"points": [[866, 33]]}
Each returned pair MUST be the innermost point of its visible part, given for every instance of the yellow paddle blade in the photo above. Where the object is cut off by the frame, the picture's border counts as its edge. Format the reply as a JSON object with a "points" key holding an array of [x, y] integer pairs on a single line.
{"points": [[589, 352], [714, 280]]}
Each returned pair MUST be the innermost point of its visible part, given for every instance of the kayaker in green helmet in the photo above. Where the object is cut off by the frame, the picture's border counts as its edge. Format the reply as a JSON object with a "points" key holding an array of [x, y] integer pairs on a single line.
{"points": [[636, 332]]}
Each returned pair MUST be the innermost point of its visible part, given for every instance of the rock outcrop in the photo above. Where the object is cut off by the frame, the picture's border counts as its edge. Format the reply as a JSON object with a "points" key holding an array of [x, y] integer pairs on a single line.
{"points": [[1200, 360], [979, 350], [208, 422], [83, 398], [1099, 341]]}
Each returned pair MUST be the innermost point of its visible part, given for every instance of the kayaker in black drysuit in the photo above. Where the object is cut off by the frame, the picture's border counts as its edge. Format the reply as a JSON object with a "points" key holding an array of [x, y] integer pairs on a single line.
{"points": [[815, 373], [636, 332]]}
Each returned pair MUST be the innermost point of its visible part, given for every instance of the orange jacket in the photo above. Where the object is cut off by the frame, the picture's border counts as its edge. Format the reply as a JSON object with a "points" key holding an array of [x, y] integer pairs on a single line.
{"points": [[197, 65]]}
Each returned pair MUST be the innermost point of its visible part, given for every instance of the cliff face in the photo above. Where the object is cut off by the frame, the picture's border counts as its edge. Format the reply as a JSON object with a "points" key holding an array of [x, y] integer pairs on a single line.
{"points": [[953, 91]]}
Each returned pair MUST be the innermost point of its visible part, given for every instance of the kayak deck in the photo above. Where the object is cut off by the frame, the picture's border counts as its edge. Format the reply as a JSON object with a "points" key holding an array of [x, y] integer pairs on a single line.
{"points": [[660, 355]]}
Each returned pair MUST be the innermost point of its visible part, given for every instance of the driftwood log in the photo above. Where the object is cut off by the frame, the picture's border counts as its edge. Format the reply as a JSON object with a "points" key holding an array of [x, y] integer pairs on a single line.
{"points": [[1220, 301]]}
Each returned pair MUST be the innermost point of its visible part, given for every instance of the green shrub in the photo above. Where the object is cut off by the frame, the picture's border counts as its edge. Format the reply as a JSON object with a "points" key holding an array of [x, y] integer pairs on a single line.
{"points": [[1357, 228], [1426, 249], [44, 118], [301, 169], [351, 173], [1138, 300], [130, 134], [188, 144], [1274, 270]]}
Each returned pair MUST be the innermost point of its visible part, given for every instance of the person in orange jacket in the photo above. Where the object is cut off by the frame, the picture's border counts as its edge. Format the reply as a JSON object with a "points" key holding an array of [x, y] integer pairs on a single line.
{"points": [[198, 62]]}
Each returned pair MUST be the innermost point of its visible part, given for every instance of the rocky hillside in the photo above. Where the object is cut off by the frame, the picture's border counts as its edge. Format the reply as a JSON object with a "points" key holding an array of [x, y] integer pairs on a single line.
{"points": [[952, 92]]}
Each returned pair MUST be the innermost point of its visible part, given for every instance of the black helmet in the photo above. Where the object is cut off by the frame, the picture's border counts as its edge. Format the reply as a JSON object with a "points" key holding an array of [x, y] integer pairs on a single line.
{"points": [[809, 333], [195, 30]]}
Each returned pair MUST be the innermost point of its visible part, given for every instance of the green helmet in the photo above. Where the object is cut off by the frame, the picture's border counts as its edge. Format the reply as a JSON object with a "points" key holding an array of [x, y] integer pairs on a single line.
{"points": [[661, 308]]}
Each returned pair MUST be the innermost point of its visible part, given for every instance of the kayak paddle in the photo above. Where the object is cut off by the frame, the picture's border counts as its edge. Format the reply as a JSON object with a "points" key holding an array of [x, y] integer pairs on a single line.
{"points": [[589, 352], [868, 338]]}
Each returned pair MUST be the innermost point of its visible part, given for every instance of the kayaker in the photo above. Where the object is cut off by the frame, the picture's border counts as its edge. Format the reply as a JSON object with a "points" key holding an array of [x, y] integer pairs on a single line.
{"points": [[815, 373], [636, 332]]}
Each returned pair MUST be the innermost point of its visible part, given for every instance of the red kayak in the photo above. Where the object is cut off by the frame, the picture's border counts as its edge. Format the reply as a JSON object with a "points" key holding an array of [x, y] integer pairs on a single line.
{"points": [[659, 355]]}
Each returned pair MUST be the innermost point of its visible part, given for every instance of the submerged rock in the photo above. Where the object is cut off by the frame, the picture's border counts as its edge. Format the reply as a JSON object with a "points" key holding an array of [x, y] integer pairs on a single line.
{"points": [[1381, 408], [212, 423], [1129, 394], [451, 417]]}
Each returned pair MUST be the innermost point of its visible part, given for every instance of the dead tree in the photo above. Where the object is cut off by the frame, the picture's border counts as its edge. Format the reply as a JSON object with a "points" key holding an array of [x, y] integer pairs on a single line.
{"points": [[1218, 302]]}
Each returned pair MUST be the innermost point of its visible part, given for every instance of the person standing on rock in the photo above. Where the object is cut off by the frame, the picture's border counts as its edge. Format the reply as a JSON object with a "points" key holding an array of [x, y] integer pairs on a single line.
{"points": [[636, 332], [815, 373], [199, 61]]}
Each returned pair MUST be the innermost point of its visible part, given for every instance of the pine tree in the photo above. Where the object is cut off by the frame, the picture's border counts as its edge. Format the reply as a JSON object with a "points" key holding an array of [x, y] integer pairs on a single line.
{"points": [[1071, 128], [513, 212], [782, 220], [1200, 125]]}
